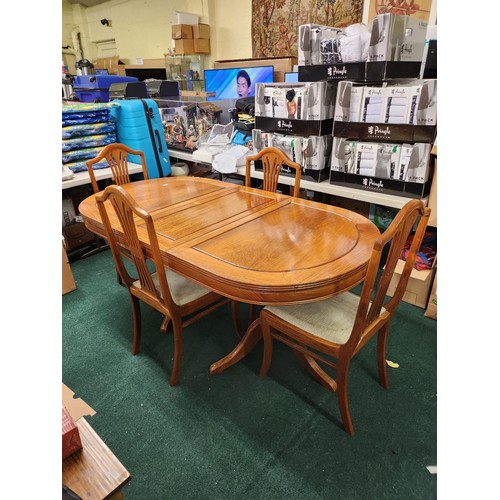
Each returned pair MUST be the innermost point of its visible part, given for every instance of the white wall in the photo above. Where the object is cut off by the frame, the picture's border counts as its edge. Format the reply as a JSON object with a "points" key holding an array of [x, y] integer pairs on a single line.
{"points": [[142, 28]]}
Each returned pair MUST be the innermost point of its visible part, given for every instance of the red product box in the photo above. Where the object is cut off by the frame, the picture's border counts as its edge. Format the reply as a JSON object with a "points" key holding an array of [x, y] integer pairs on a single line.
{"points": [[71, 441]]}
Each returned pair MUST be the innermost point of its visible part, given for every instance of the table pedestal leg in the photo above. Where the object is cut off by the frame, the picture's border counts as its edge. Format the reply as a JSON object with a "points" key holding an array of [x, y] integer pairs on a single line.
{"points": [[247, 343]]}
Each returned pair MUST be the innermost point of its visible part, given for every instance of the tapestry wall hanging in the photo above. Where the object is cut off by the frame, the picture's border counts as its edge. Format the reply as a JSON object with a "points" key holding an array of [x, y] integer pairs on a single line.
{"points": [[420, 9], [275, 23]]}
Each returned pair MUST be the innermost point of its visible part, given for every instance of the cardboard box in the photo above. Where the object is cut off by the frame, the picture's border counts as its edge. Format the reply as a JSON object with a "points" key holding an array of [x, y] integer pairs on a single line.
{"points": [[112, 64], [432, 202], [431, 311], [71, 441], [72, 410], [184, 46], [418, 288], [68, 282], [180, 31], [202, 46], [201, 31]]}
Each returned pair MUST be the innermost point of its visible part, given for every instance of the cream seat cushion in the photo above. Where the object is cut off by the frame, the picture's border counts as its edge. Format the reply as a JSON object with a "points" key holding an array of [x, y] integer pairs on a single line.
{"points": [[181, 289], [330, 319]]}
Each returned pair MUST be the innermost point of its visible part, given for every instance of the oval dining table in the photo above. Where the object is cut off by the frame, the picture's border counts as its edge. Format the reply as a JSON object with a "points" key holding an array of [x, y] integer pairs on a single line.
{"points": [[249, 245]]}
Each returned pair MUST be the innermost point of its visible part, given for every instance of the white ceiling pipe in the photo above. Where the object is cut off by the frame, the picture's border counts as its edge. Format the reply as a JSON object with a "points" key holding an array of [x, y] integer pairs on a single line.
{"points": [[76, 50]]}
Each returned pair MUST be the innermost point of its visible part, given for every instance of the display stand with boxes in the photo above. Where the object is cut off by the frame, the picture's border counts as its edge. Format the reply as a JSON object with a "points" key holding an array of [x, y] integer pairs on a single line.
{"points": [[296, 118], [385, 120], [383, 137]]}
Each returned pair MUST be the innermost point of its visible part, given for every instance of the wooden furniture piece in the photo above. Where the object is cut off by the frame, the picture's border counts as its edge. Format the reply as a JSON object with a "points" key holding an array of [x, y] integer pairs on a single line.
{"points": [[116, 156], [281, 64], [272, 160], [249, 245], [179, 300], [341, 325], [94, 472], [82, 178]]}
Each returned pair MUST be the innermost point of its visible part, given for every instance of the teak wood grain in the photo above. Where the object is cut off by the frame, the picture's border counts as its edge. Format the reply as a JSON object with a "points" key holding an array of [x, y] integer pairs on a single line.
{"points": [[93, 472], [250, 245]]}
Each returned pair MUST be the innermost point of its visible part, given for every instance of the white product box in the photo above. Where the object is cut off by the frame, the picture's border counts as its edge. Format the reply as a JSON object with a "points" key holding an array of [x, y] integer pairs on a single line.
{"points": [[360, 35], [325, 47], [302, 100], [356, 101], [262, 100], [270, 101], [304, 44], [427, 104], [261, 139], [185, 18], [397, 104], [414, 98], [418, 167], [343, 101], [291, 145], [295, 102], [320, 99], [343, 153], [278, 103], [366, 158], [387, 37], [405, 159], [351, 47], [317, 150], [414, 39], [387, 160], [373, 105]]}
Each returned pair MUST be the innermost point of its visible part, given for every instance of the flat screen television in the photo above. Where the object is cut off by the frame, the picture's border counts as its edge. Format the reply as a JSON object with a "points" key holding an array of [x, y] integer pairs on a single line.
{"points": [[291, 76], [233, 83]]}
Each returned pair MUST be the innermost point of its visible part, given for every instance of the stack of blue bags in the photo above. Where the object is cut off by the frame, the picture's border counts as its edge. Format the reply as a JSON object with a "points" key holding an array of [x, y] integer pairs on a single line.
{"points": [[86, 129]]}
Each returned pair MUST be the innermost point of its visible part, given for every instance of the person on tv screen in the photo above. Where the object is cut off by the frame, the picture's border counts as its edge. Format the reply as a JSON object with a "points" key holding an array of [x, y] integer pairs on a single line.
{"points": [[243, 83]]}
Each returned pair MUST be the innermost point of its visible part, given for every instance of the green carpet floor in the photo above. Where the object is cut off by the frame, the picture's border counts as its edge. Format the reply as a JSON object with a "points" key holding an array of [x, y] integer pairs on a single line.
{"points": [[233, 435]]}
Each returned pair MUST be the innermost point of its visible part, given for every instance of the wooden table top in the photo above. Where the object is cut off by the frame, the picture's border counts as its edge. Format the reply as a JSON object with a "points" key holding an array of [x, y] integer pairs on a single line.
{"points": [[248, 244], [93, 472]]}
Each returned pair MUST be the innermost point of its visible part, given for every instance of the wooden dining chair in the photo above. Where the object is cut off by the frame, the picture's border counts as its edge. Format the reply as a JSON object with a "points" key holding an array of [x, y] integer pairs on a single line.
{"points": [[116, 156], [272, 160], [340, 326], [179, 300]]}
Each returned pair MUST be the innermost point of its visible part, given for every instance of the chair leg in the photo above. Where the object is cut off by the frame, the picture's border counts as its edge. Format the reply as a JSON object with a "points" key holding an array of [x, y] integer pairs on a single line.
{"points": [[381, 356], [311, 365], [342, 373], [177, 324], [164, 324], [268, 348], [136, 314]]}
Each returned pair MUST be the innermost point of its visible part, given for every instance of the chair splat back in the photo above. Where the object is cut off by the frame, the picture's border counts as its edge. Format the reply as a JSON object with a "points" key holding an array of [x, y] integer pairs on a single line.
{"points": [[272, 161], [373, 294], [116, 155], [126, 209]]}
